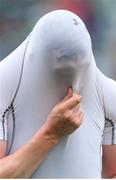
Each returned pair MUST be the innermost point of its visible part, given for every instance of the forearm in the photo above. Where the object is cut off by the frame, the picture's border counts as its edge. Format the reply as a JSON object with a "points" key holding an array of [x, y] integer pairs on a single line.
{"points": [[106, 171], [62, 121], [108, 177], [109, 161], [25, 161]]}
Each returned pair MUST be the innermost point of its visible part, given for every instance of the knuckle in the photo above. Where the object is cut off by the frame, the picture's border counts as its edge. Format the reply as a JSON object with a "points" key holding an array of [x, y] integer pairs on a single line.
{"points": [[77, 98], [78, 122], [59, 109], [79, 105], [68, 114], [81, 112], [76, 101]]}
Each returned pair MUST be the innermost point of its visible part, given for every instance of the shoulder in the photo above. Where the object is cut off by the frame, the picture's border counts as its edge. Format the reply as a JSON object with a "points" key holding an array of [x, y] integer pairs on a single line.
{"points": [[109, 96], [108, 87]]}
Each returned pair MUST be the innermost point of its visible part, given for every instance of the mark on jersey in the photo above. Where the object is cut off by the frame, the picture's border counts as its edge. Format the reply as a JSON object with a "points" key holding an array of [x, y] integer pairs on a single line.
{"points": [[75, 22]]}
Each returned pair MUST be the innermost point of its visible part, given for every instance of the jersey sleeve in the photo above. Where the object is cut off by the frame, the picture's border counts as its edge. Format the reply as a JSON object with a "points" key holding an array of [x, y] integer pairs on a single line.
{"points": [[109, 98]]}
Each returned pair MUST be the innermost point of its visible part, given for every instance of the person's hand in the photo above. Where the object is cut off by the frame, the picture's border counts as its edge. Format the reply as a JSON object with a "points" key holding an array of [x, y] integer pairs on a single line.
{"points": [[65, 117]]}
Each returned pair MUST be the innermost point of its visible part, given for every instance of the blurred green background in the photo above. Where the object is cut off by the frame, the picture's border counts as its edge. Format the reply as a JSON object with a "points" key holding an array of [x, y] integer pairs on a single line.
{"points": [[17, 18]]}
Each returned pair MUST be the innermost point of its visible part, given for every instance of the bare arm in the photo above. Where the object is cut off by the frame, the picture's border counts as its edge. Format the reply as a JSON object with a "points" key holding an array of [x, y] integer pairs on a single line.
{"points": [[24, 161], [62, 121], [109, 161], [109, 133], [3, 146]]}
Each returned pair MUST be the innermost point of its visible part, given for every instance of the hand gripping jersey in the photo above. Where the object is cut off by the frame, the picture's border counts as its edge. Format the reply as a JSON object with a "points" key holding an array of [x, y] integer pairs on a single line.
{"points": [[56, 55]]}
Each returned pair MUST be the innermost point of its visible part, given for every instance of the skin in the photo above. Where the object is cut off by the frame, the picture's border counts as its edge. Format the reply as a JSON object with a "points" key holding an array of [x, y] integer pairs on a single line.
{"points": [[109, 161], [63, 120]]}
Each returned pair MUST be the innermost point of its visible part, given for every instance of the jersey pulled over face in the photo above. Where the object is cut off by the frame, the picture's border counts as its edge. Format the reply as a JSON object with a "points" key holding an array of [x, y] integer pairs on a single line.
{"points": [[64, 46], [56, 55]]}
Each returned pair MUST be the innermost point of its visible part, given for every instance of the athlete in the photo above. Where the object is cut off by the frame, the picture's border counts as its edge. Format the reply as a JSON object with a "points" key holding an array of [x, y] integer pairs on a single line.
{"points": [[55, 56]]}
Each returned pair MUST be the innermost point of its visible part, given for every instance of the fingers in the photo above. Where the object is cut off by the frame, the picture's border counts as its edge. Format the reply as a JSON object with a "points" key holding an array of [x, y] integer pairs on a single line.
{"points": [[78, 118], [72, 102], [81, 115], [75, 118], [77, 108], [69, 94]]}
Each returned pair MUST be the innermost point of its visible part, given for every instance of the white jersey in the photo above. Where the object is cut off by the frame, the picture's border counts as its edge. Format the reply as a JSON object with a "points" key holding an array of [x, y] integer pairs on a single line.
{"points": [[57, 54]]}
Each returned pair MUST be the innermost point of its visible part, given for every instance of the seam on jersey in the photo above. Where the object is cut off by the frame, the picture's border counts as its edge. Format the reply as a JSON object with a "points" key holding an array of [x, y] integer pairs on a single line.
{"points": [[113, 129], [21, 73], [3, 121], [100, 95], [3, 125], [13, 131], [107, 119], [11, 105], [102, 99]]}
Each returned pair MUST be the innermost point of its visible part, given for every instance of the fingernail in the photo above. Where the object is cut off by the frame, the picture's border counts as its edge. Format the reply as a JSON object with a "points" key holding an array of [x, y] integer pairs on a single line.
{"points": [[70, 90]]}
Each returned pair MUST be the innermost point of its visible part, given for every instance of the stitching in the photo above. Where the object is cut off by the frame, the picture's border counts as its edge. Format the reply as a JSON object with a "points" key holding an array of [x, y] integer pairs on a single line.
{"points": [[113, 129], [11, 106], [13, 132], [3, 121], [3, 124]]}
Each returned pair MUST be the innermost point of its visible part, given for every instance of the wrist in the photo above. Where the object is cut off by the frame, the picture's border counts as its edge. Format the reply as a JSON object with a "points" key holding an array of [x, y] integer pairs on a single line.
{"points": [[45, 134], [48, 135]]}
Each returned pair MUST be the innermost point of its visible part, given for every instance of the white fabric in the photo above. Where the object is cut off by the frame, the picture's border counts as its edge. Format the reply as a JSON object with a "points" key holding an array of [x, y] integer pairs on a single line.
{"points": [[56, 55]]}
